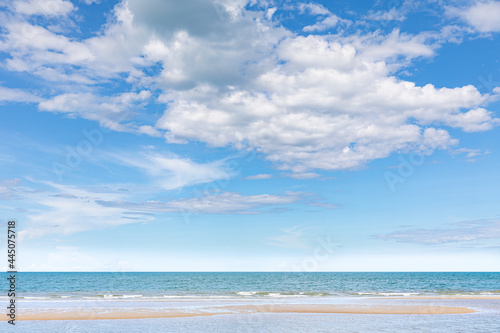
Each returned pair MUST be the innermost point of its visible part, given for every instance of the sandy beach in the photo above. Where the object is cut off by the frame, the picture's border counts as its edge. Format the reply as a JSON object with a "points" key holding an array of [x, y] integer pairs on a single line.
{"points": [[180, 312]]}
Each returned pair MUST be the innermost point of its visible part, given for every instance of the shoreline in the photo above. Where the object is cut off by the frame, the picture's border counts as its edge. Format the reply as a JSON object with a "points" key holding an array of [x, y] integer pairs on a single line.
{"points": [[476, 297]]}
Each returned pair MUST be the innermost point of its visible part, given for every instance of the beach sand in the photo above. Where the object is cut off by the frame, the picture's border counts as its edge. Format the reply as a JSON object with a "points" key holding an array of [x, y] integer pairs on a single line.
{"points": [[142, 313]]}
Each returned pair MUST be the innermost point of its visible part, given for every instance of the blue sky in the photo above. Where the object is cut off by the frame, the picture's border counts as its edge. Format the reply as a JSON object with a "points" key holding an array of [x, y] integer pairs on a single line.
{"points": [[237, 135]]}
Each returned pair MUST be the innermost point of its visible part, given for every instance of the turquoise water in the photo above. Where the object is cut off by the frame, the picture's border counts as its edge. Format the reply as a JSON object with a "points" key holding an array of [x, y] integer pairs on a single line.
{"points": [[129, 285]]}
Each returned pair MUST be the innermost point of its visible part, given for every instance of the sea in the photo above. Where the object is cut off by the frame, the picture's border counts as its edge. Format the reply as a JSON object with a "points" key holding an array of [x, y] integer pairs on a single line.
{"points": [[77, 290]]}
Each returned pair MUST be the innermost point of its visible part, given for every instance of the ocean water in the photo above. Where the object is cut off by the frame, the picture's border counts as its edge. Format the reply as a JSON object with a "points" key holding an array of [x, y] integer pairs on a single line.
{"points": [[252, 284], [188, 291]]}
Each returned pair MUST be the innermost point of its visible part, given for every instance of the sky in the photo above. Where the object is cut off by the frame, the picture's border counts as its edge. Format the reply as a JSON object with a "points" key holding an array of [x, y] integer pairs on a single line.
{"points": [[251, 135]]}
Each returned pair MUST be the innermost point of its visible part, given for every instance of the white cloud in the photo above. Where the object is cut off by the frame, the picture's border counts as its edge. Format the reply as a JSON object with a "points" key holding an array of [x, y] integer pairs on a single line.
{"points": [[43, 7], [313, 9], [476, 120], [109, 111], [328, 20], [17, 95], [324, 24], [389, 48], [35, 49], [483, 16]]}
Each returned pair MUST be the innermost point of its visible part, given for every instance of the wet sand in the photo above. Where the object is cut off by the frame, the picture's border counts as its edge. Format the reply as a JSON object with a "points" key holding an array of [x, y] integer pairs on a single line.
{"points": [[143, 313]]}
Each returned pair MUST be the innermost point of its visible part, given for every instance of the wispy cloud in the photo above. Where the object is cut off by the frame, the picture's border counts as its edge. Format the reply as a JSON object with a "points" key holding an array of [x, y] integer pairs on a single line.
{"points": [[291, 238], [313, 9], [303, 175], [8, 188], [470, 154], [170, 171], [259, 176], [220, 203], [63, 209], [68, 209], [459, 232]]}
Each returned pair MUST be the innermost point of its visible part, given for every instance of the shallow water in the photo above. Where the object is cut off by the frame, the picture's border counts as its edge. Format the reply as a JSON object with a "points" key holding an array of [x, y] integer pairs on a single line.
{"points": [[485, 323], [486, 319]]}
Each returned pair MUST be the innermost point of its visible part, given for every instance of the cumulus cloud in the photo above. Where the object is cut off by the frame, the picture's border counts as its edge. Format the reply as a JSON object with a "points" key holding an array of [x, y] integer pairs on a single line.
{"points": [[483, 16], [325, 102], [330, 105], [466, 231], [476, 120]]}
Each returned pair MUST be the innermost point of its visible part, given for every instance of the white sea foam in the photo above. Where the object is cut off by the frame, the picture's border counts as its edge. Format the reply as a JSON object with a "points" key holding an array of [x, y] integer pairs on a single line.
{"points": [[246, 293]]}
